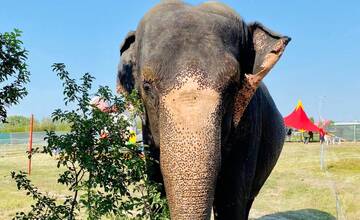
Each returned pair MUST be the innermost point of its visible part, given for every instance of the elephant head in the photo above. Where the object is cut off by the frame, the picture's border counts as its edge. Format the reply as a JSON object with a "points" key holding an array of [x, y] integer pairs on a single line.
{"points": [[196, 69]]}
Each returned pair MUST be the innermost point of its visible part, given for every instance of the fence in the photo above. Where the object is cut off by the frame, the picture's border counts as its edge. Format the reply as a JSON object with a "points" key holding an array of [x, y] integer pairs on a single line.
{"points": [[38, 137], [22, 137], [350, 131]]}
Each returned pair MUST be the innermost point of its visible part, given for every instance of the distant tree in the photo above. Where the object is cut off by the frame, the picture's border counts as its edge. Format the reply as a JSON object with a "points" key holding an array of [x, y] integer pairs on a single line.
{"points": [[17, 123], [13, 71], [312, 119]]}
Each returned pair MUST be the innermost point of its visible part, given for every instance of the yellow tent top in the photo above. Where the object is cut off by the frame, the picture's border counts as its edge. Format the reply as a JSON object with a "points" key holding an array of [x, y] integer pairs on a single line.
{"points": [[299, 105]]}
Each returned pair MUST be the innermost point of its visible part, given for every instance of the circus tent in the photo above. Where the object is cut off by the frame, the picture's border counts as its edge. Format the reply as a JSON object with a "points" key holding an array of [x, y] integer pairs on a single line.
{"points": [[299, 120]]}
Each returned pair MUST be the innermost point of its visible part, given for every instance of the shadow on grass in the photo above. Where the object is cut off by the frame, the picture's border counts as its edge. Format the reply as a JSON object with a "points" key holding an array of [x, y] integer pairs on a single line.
{"points": [[302, 214]]}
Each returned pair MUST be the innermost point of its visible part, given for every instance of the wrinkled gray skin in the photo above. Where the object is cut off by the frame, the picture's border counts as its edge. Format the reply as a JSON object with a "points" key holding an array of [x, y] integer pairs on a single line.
{"points": [[188, 63]]}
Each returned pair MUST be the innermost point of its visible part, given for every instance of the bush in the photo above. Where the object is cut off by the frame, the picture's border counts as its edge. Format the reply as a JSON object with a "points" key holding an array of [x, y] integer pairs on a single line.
{"points": [[105, 175]]}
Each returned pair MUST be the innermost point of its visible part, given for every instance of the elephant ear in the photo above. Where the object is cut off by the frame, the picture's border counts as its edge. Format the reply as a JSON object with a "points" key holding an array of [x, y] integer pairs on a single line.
{"points": [[267, 48], [125, 77]]}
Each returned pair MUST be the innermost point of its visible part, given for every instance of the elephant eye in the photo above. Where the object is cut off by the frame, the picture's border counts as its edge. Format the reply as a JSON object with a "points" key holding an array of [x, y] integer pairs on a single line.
{"points": [[149, 92], [146, 86]]}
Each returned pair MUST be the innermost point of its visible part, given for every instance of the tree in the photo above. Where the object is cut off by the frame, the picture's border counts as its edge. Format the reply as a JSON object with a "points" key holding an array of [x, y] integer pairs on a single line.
{"points": [[312, 119], [104, 175], [13, 70], [15, 123], [18, 123]]}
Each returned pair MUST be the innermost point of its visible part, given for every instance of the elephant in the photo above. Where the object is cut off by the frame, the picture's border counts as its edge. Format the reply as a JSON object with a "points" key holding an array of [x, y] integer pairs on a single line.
{"points": [[208, 117]]}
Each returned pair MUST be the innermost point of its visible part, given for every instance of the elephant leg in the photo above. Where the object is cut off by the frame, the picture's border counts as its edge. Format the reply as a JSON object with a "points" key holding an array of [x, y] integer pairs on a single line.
{"points": [[153, 152], [230, 204], [153, 169], [233, 195], [249, 158], [248, 206], [240, 182]]}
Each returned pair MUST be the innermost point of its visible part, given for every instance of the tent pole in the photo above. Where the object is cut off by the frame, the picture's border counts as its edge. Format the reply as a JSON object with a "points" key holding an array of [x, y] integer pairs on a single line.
{"points": [[322, 165]]}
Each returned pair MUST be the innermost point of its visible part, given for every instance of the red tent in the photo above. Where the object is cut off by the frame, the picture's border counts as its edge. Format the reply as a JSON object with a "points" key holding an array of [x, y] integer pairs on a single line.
{"points": [[299, 120]]}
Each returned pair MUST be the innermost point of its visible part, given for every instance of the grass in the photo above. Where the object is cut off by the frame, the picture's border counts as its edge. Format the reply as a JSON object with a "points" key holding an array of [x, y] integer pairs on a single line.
{"points": [[296, 189], [44, 175]]}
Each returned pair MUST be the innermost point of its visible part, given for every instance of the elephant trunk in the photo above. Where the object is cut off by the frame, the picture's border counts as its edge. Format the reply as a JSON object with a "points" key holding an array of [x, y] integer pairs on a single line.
{"points": [[190, 150]]}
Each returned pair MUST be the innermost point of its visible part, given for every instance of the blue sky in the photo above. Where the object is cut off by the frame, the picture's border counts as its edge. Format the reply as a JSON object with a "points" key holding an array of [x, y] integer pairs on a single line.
{"points": [[320, 65]]}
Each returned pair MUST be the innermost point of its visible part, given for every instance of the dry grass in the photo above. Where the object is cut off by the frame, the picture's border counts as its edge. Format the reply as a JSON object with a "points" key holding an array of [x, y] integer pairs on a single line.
{"points": [[44, 175], [297, 188]]}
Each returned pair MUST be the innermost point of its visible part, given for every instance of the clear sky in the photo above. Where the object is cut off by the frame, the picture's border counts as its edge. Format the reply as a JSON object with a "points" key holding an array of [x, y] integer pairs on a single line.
{"points": [[320, 65]]}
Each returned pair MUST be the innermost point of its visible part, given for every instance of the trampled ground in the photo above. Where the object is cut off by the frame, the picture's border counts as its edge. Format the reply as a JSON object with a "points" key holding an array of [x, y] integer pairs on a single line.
{"points": [[297, 188]]}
